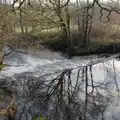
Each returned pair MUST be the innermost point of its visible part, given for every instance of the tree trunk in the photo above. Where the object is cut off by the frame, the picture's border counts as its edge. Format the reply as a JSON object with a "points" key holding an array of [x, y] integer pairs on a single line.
{"points": [[86, 35], [21, 20], [65, 27], [26, 30], [78, 17], [1, 54]]}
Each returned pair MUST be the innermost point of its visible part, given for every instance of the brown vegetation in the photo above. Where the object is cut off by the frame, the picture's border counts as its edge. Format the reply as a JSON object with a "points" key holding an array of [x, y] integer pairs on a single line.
{"points": [[11, 110]]}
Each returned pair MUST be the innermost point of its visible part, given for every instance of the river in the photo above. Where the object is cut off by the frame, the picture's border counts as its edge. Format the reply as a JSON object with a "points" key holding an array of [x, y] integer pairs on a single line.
{"points": [[26, 73]]}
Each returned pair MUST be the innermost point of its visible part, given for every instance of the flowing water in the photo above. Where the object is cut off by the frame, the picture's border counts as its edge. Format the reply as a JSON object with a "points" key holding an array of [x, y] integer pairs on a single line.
{"points": [[24, 67]]}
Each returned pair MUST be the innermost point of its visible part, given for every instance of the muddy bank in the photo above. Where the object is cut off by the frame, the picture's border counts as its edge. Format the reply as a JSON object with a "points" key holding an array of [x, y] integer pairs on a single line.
{"points": [[92, 49]]}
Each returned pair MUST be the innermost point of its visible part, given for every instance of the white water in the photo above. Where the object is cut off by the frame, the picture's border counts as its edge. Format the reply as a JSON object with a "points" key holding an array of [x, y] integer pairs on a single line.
{"points": [[40, 65]]}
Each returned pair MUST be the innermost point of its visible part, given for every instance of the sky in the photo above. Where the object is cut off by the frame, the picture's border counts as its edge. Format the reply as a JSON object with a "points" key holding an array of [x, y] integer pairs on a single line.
{"points": [[11, 1]]}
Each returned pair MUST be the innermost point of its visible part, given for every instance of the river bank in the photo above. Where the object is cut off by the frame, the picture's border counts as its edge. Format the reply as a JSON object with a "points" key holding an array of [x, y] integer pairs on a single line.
{"points": [[92, 49], [95, 47]]}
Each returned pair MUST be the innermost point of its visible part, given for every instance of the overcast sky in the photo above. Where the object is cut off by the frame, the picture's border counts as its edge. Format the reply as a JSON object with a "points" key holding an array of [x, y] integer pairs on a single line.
{"points": [[11, 1]]}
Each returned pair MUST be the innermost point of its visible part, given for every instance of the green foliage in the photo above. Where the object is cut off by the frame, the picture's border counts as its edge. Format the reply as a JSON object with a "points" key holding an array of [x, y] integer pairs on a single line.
{"points": [[2, 66], [41, 118]]}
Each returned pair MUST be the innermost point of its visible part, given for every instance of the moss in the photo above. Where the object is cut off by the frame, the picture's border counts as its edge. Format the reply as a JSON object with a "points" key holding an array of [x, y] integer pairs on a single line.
{"points": [[2, 66], [41, 118]]}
